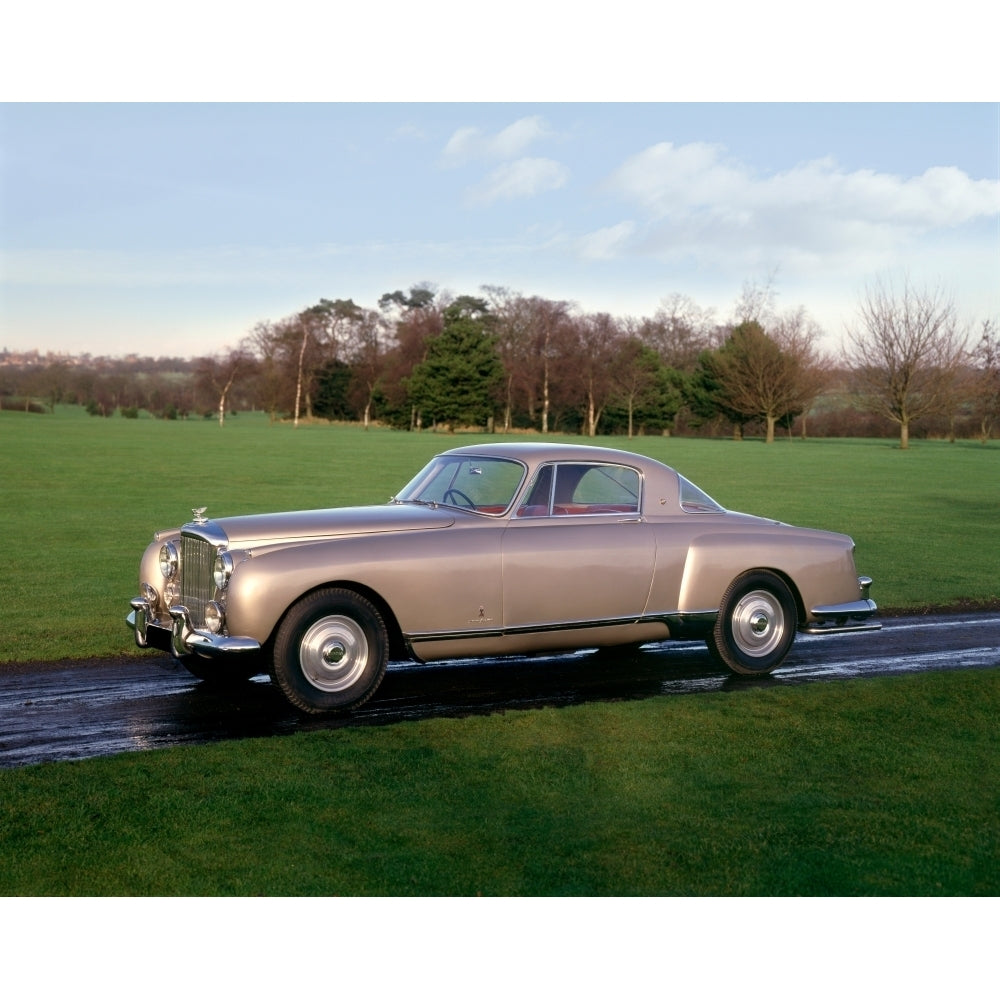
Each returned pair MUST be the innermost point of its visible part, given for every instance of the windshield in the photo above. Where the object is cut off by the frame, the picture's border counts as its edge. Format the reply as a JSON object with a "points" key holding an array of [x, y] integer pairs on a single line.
{"points": [[484, 485]]}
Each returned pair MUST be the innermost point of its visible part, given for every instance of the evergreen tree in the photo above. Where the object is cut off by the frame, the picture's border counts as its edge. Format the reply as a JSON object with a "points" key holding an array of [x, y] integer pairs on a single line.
{"points": [[331, 399], [706, 397], [458, 381]]}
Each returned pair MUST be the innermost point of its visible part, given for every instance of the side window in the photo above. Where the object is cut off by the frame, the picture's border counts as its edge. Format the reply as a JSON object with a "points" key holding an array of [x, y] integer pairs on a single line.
{"points": [[581, 488], [536, 502], [607, 489]]}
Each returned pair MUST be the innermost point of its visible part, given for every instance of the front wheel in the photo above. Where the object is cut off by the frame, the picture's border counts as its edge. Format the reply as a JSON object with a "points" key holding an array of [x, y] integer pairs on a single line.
{"points": [[330, 652], [756, 624]]}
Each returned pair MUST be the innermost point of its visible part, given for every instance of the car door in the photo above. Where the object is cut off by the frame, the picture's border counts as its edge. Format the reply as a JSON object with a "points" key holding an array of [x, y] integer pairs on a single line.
{"points": [[577, 550]]}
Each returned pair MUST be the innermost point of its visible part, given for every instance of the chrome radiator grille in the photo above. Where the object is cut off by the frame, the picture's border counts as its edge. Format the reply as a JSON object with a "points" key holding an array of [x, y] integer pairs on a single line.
{"points": [[197, 585]]}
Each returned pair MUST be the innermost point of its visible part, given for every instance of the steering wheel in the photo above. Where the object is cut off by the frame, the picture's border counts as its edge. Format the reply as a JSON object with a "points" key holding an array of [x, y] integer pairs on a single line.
{"points": [[466, 501]]}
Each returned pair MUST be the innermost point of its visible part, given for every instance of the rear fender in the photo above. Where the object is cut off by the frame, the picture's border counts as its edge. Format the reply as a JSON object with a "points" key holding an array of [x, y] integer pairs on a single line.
{"points": [[812, 567]]}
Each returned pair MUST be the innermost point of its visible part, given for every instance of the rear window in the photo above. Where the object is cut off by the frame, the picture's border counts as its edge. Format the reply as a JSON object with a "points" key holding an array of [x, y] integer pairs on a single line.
{"points": [[695, 501]]}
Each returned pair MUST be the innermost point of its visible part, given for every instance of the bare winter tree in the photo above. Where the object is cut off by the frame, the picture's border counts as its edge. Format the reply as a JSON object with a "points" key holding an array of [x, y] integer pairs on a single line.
{"points": [[679, 331], [532, 333], [598, 342], [773, 376], [367, 350], [905, 352], [512, 329], [642, 381], [986, 379], [264, 343], [799, 336], [756, 302], [218, 373]]}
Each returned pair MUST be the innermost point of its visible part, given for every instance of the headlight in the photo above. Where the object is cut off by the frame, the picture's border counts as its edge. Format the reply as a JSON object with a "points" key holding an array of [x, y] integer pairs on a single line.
{"points": [[150, 596], [169, 560], [222, 570]]}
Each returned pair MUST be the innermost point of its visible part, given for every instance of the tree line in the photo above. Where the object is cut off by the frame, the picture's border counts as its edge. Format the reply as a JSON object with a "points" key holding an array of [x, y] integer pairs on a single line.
{"points": [[503, 361]]}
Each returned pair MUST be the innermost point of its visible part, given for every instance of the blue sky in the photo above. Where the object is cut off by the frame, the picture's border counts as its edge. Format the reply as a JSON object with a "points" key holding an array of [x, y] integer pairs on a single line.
{"points": [[172, 228]]}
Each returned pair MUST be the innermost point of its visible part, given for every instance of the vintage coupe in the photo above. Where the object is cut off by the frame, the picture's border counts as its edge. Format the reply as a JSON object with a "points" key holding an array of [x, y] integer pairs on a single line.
{"points": [[490, 550]]}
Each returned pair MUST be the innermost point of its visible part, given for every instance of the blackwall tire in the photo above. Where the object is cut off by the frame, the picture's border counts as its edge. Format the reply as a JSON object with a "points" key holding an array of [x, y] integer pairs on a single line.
{"points": [[756, 624], [330, 651]]}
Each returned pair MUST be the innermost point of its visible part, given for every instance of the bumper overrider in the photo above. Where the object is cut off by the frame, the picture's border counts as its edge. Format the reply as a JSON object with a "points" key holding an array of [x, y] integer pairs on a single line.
{"points": [[850, 617], [181, 638]]}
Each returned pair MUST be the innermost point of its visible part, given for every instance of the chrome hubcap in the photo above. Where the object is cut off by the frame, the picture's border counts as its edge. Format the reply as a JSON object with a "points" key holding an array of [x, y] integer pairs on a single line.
{"points": [[333, 653], [758, 623]]}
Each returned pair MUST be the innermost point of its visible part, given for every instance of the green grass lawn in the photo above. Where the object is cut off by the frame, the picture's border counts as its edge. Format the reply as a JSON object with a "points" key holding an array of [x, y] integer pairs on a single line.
{"points": [[81, 497], [877, 787], [880, 787]]}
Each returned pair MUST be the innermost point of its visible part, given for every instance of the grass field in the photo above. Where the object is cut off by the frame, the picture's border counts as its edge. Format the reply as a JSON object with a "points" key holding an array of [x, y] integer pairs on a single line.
{"points": [[81, 497], [878, 787]]}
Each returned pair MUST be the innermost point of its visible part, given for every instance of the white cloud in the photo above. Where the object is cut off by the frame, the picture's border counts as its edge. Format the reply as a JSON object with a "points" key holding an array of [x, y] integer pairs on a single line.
{"points": [[606, 243], [523, 178], [516, 176], [697, 201], [463, 145], [472, 143], [665, 179]]}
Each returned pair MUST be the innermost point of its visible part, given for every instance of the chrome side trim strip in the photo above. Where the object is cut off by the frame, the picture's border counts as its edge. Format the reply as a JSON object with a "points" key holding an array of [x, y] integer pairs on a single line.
{"points": [[476, 633], [675, 621]]}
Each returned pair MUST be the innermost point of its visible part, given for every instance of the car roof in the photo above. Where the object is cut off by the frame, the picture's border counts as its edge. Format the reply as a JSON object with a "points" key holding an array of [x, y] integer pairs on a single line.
{"points": [[535, 452]]}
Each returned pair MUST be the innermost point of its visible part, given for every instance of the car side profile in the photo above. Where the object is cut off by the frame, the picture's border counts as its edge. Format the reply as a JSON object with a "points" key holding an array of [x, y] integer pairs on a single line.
{"points": [[490, 550]]}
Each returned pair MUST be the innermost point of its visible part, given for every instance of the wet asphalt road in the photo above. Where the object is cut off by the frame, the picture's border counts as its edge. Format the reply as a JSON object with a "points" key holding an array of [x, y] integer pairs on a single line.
{"points": [[74, 711]]}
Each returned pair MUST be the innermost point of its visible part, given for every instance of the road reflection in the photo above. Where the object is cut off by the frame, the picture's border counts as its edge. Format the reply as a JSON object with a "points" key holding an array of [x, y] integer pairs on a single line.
{"points": [[67, 712]]}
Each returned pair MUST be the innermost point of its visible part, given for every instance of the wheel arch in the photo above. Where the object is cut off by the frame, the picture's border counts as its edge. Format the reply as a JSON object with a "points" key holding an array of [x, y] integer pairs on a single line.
{"points": [[397, 645], [786, 579], [709, 571], [800, 610]]}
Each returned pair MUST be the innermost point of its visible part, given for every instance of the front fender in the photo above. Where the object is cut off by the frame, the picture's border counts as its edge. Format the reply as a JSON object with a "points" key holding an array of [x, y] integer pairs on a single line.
{"points": [[263, 586], [430, 580]]}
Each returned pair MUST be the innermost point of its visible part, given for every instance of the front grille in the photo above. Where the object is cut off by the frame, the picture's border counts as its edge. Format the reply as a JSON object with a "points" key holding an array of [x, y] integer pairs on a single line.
{"points": [[197, 584]]}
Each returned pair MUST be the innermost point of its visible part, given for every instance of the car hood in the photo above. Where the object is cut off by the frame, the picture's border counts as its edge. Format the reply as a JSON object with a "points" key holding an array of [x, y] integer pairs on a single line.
{"points": [[309, 525]]}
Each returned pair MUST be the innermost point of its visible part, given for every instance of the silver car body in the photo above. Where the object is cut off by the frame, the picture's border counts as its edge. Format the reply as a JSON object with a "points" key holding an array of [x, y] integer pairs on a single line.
{"points": [[631, 553]]}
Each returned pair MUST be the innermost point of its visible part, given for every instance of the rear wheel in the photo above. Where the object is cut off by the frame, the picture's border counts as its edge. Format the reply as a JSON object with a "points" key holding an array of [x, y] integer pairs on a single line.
{"points": [[756, 624], [330, 652]]}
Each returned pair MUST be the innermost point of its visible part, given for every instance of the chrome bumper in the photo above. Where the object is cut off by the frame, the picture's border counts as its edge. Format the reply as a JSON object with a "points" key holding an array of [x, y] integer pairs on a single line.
{"points": [[849, 617], [181, 638]]}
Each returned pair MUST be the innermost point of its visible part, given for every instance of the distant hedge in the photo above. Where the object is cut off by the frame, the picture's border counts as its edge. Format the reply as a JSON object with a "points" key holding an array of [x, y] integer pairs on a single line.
{"points": [[23, 404]]}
